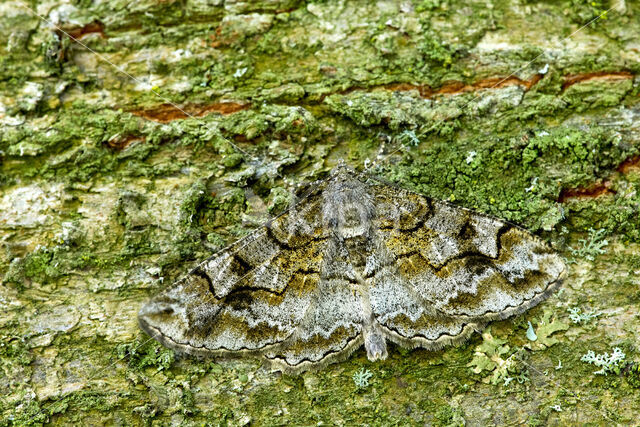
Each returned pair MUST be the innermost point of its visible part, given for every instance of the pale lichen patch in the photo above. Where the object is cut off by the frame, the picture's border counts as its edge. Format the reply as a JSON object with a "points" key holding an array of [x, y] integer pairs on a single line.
{"points": [[29, 206]]}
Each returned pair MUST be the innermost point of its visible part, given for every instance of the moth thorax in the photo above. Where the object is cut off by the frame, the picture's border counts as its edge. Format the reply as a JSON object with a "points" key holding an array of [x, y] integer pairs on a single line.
{"points": [[348, 208], [353, 220], [357, 247]]}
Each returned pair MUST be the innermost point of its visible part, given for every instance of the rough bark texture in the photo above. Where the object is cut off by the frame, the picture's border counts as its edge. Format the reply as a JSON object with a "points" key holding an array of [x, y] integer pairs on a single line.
{"points": [[116, 179]]}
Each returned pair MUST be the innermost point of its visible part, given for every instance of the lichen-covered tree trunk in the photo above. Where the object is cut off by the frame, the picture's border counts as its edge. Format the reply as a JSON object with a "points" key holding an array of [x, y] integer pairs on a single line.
{"points": [[138, 137]]}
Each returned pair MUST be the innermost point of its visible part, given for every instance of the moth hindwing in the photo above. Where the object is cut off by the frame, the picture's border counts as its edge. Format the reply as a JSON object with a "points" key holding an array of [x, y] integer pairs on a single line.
{"points": [[356, 262]]}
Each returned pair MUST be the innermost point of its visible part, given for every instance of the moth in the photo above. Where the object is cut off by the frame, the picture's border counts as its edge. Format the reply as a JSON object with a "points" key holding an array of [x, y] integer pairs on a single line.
{"points": [[356, 261]]}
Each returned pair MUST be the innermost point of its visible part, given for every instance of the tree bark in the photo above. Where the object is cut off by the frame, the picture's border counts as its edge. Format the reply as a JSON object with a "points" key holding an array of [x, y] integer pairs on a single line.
{"points": [[137, 138]]}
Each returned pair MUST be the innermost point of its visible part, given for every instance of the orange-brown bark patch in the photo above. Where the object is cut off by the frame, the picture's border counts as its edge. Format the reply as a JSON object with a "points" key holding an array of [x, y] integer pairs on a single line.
{"points": [[91, 28], [631, 164], [455, 87], [572, 79], [120, 143], [166, 113], [591, 192]]}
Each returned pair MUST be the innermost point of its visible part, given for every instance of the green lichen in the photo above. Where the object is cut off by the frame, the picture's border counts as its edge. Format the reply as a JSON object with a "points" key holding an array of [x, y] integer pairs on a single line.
{"points": [[33, 413], [592, 246], [41, 266], [498, 359], [609, 363], [546, 331], [361, 378], [142, 354], [196, 198], [16, 349], [450, 417], [28, 414], [632, 374], [591, 95], [534, 166], [579, 318]]}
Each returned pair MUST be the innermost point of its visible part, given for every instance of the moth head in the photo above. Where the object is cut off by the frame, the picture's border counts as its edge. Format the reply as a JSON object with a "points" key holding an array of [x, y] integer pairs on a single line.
{"points": [[348, 218], [355, 221], [342, 169]]}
